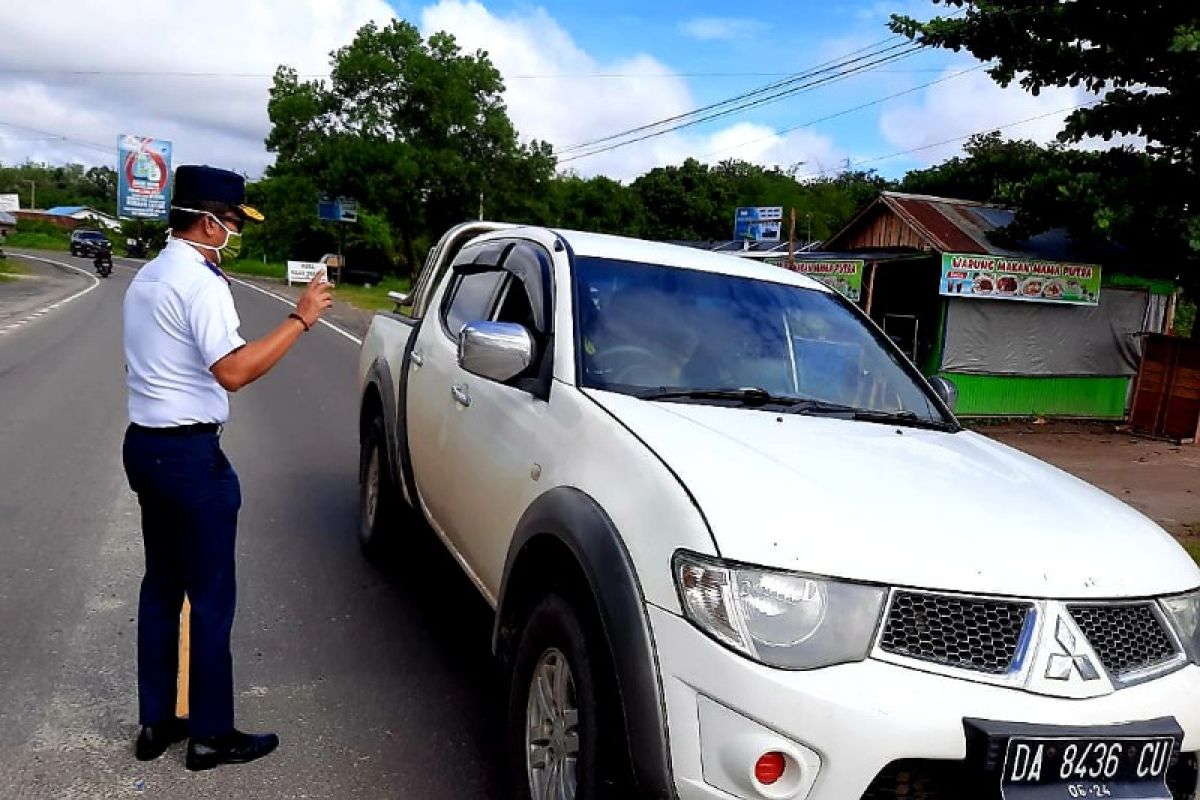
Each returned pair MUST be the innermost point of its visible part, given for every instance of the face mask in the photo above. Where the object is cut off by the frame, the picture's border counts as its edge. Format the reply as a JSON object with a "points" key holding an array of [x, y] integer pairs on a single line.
{"points": [[230, 248]]}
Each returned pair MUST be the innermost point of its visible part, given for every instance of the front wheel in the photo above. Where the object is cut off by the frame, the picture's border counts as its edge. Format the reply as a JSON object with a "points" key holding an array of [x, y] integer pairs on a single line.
{"points": [[564, 733]]}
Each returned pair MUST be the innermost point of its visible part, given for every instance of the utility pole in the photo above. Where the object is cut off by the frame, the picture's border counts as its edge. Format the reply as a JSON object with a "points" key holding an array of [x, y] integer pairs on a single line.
{"points": [[32, 194], [481, 206]]}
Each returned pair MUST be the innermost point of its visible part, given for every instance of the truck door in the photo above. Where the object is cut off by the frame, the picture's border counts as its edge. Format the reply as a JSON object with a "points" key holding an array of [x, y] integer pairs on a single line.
{"points": [[497, 436], [433, 369]]}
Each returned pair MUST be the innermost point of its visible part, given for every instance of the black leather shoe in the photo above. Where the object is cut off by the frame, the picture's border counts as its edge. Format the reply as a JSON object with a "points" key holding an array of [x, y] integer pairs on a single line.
{"points": [[234, 747], [154, 740]]}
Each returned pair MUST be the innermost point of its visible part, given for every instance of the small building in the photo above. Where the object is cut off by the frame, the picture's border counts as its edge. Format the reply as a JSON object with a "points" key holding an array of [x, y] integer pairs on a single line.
{"points": [[85, 215], [1038, 328]]}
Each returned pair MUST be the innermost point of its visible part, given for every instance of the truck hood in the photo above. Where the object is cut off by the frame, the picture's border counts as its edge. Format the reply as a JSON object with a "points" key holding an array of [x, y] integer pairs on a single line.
{"points": [[903, 506]]}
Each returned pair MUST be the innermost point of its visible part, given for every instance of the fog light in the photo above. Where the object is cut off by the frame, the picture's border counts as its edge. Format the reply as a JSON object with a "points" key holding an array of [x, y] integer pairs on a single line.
{"points": [[769, 768]]}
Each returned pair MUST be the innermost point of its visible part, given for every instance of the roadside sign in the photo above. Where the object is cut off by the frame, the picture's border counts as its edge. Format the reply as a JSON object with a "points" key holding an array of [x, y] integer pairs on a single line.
{"points": [[1022, 279], [302, 271], [143, 177], [10, 203], [758, 223], [339, 210]]}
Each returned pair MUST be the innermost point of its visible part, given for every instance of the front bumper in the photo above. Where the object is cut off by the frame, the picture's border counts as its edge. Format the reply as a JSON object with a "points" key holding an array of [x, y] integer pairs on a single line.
{"points": [[847, 724]]}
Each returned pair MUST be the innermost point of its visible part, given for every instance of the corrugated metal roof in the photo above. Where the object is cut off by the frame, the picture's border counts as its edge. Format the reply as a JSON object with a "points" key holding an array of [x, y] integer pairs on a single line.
{"points": [[7, 218], [65, 211], [936, 223], [951, 225]]}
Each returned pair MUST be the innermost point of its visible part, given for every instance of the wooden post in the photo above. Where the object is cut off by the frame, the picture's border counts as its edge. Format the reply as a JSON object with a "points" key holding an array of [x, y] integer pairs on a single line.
{"points": [[185, 653], [792, 239], [871, 287]]}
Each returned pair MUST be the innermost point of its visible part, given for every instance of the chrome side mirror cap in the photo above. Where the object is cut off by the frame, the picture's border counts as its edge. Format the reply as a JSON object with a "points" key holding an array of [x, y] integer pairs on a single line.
{"points": [[946, 390], [498, 351]]}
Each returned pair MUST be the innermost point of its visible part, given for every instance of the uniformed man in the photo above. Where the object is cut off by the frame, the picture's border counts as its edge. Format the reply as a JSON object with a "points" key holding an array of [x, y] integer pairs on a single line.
{"points": [[183, 354]]}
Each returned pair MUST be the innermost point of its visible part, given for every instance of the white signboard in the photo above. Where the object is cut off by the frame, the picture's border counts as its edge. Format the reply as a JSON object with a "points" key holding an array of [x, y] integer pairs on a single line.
{"points": [[10, 203], [302, 271]]}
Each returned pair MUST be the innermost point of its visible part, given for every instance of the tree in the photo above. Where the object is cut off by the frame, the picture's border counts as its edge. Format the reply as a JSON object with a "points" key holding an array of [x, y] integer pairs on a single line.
{"points": [[415, 129], [1143, 58]]}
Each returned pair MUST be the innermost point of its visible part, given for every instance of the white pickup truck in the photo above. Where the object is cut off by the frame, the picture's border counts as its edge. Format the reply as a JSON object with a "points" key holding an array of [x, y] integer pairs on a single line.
{"points": [[738, 546]]}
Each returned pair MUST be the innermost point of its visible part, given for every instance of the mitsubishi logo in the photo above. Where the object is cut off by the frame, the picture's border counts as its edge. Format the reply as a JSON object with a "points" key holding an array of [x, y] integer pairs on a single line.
{"points": [[1063, 665]]}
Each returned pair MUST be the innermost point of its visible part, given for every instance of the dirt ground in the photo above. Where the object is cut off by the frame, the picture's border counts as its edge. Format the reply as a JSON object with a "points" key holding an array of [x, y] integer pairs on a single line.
{"points": [[1160, 479]]}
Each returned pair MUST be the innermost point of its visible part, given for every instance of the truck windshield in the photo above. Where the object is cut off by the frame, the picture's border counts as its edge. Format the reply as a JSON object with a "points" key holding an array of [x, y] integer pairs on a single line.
{"points": [[665, 332]]}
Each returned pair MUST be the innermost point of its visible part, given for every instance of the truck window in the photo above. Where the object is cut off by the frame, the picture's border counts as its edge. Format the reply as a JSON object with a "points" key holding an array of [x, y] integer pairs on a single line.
{"points": [[471, 299]]}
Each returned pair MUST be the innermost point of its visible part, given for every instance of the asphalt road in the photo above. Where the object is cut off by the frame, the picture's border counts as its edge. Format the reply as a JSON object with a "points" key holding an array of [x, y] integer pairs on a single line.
{"points": [[378, 680]]}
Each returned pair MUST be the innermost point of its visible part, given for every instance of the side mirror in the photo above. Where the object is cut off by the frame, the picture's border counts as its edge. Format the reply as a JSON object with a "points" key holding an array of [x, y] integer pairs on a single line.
{"points": [[946, 390], [498, 351]]}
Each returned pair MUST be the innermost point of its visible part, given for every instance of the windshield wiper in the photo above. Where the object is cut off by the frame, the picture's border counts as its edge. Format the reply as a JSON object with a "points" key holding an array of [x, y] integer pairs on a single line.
{"points": [[908, 418], [749, 396], [754, 396]]}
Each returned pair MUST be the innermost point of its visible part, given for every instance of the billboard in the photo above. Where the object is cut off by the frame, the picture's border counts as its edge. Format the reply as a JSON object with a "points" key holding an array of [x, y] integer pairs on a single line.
{"points": [[1023, 279], [143, 177], [10, 203], [758, 223]]}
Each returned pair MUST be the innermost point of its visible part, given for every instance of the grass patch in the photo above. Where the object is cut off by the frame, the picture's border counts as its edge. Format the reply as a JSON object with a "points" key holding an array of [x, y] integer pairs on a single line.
{"points": [[257, 269], [10, 267], [37, 235], [1193, 548], [374, 298]]}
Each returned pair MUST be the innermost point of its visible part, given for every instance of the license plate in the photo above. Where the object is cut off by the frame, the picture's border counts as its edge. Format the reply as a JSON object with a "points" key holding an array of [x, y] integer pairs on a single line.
{"points": [[1066, 768]]}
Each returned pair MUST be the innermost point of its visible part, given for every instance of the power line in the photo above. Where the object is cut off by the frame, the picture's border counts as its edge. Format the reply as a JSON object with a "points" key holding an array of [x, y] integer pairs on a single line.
{"points": [[109, 73], [791, 91], [840, 62], [1005, 126], [60, 137], [844, 112]]}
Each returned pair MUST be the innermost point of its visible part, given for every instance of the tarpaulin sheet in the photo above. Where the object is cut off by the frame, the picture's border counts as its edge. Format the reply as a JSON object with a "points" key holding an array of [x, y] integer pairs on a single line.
{"points": [[997, 338]]}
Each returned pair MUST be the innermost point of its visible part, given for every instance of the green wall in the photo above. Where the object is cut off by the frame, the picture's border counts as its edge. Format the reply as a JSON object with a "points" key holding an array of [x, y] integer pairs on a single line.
{"points": [[1022, 396]]}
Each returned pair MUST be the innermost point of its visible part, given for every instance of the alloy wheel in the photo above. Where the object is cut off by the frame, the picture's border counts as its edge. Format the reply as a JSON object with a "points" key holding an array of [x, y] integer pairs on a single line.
{"points": [[552, 729]]}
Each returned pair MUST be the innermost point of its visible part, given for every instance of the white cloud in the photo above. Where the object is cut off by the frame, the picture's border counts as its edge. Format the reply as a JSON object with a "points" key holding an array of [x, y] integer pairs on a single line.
{"points": [[708, 29], [220, 120], [971, 103]]}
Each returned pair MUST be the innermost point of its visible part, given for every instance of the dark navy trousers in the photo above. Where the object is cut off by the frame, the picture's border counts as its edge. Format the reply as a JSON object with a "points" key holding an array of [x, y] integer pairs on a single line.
{"points": [[190, 496]]}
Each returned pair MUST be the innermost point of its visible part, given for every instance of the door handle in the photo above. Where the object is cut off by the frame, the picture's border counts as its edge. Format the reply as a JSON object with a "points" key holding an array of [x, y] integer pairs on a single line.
{"points": [[417, 359], [459, 392]]}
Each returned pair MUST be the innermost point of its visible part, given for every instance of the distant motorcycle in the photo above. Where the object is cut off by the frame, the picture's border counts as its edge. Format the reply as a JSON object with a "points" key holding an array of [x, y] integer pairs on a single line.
{"points": [[137, 248], [103, 259]]}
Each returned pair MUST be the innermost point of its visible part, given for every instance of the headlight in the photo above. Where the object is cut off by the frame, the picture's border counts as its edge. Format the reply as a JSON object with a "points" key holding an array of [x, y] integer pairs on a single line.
{"points": [[779, 618], [1184, 613]]}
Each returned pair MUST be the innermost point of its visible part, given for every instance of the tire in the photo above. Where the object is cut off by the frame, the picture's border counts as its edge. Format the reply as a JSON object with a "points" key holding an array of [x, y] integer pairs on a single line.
{"points": [[578, 716], [378, 497]]}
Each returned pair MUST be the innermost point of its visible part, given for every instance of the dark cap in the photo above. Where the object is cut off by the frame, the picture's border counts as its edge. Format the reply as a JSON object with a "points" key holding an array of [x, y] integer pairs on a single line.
{"points": [[197, 184]]}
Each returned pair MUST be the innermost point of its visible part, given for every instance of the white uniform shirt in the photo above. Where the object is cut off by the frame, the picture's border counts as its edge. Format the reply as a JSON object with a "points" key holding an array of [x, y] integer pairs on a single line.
{"points": [[179, 321]]}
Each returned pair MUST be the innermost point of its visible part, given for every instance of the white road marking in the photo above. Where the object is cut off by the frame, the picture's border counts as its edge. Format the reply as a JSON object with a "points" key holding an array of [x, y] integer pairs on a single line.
{"points": [[335, 328], [288, 302], [41, 311]]}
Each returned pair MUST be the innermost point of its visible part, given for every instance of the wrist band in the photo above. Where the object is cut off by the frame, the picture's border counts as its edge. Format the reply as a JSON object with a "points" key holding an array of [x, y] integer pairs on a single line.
{"points": [[299, 318]]}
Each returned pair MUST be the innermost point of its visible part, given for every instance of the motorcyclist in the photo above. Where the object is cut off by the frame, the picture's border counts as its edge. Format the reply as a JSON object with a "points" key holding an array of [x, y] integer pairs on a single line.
{"points": [[103, 258]]}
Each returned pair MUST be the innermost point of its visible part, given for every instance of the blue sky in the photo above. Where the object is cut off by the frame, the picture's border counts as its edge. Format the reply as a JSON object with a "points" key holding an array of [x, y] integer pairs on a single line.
{"points": [[550, 53]]}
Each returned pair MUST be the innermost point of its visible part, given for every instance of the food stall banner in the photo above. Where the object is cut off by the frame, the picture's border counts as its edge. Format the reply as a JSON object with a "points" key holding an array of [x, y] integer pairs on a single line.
{"points": [[844, 277], [143, 177], [1027, 280]]}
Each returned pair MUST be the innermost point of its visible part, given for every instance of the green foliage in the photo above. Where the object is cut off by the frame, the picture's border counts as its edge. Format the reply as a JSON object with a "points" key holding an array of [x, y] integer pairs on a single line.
{"points": [[1185, 318], [39, 235], [67, 185], [414, 129], [1144, 57]]}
